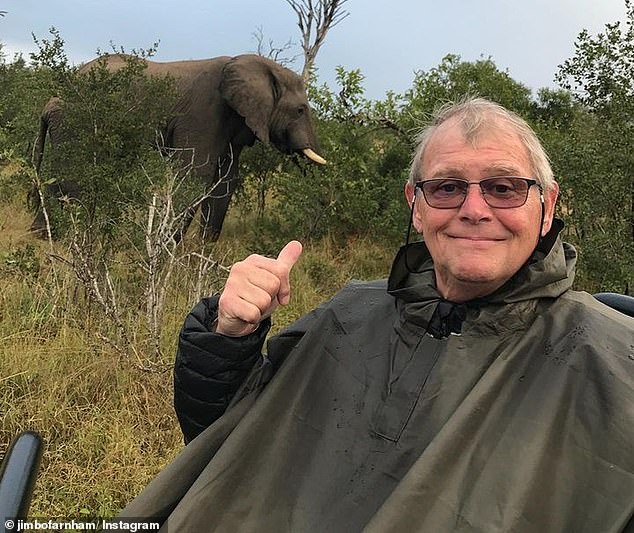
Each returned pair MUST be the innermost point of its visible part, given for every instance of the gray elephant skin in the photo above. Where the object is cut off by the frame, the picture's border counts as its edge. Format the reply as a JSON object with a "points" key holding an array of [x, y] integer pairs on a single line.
{"points": [[224, 104]]}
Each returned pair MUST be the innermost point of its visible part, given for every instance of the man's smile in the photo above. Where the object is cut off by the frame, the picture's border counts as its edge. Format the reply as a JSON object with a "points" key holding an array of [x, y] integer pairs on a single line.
{"points": [[476, 238]]}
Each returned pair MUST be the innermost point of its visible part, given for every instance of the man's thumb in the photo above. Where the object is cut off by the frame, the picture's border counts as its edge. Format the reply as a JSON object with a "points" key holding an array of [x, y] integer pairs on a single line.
{"points": [[290, 254], [288, 257]]}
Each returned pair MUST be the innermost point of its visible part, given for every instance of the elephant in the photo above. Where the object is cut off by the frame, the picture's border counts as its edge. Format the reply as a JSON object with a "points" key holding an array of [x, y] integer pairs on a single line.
{"points": [[223, 104]]}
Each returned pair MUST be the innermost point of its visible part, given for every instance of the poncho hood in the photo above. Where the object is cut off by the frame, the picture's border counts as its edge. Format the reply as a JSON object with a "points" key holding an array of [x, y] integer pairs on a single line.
{"points": [[548, 273]]}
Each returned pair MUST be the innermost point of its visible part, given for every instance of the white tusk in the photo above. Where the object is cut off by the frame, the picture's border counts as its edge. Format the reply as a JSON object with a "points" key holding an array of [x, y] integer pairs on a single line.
{"points": [[313, 156]]}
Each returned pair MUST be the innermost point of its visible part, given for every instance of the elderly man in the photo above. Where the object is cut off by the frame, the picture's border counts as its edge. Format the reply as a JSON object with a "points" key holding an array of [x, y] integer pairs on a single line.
{"points": [[473, 391]]}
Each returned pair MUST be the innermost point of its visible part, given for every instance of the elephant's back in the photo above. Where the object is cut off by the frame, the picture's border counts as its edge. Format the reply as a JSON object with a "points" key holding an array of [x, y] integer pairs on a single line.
{"points": [[189, 69], [185, 70], [113, 62]]}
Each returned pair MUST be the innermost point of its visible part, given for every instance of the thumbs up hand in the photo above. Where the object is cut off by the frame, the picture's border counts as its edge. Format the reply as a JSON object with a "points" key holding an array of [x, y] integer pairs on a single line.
{"points": [[254, 289]]}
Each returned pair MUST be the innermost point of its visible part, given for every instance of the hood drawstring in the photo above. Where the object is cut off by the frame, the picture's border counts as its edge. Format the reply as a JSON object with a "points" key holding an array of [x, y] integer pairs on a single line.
{"points": [[447, 318]]}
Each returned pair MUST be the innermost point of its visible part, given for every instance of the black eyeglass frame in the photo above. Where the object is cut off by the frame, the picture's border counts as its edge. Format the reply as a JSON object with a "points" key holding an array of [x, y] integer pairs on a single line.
{"points": [[529, 181]]}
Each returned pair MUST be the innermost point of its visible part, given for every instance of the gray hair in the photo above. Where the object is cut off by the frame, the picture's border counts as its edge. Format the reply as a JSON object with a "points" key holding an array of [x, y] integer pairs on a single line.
{"points": [[474, 115]]}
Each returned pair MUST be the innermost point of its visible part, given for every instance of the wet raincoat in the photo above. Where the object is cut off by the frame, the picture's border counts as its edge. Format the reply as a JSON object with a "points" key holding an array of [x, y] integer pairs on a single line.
{"points": [[393, 410]]}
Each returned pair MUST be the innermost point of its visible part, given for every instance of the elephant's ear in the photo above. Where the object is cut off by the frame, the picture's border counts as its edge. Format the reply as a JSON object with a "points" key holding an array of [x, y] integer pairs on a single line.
{"points": [[249, 86]]}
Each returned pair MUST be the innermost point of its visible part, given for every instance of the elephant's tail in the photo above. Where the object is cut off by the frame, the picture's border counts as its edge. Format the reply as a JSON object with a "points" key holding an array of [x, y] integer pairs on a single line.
{"points": [[51, 112], [33, 196], [40, 141]]}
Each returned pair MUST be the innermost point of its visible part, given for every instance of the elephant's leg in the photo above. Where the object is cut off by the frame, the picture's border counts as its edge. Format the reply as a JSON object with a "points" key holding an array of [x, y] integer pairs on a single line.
{"points": [[38, 226], [41, 224], [66, 191], [214, 208], [179, 235]]}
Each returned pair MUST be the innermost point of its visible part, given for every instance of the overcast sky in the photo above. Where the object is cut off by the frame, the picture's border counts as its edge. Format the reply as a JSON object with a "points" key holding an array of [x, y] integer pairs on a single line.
{"points": [[388, 40]]}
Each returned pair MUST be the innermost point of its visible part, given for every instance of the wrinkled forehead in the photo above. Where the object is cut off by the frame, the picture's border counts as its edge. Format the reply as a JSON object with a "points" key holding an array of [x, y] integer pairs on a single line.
{"points": [[454, 147], [477, 128]]}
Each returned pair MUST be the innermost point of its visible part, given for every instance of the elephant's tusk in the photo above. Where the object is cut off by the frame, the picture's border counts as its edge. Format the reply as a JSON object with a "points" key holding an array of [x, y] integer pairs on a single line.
{"points": [[313, 156]]}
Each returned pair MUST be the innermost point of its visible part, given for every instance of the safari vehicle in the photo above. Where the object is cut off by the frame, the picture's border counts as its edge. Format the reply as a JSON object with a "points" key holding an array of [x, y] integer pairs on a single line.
{"points": [[19, 469]]}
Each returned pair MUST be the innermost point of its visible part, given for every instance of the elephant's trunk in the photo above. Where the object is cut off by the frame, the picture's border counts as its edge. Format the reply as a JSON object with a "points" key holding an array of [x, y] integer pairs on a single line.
{"points": [[314, 156]]}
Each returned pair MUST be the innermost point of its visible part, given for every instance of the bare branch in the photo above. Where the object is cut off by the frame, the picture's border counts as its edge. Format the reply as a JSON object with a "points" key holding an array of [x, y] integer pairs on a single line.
{"points": [[39, 190], [315, 20], [99, 286], [279, 54], [162, 255], [375, 121]]}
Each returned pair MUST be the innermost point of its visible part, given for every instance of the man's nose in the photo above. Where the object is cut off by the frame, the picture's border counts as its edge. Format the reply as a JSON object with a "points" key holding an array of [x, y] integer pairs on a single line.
{"points": [[475, 207]]}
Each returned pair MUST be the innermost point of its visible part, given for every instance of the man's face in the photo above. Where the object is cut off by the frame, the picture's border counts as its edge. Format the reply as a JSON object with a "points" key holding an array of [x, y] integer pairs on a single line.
{"points": [[477, 248]]}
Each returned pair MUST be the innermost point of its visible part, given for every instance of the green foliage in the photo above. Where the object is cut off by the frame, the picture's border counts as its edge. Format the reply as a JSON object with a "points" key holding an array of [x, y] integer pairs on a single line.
{"points": [[593, 154], [555, 109], [24, 91], [359, 191], [108, 139], [594, 201], [23, 260], [601, 73], [454, 79]]}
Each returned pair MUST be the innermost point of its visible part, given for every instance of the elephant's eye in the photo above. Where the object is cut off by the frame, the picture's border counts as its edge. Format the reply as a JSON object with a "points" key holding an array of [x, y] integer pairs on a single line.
{"points": [[301, 110]]}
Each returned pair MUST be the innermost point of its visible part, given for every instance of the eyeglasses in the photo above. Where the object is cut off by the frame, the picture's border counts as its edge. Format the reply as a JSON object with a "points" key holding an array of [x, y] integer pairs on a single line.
{"points": [[501, 192]]}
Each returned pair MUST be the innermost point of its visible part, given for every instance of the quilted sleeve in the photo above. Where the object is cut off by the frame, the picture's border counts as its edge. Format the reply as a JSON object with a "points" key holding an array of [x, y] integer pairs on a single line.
{"points": [[210, 368]]}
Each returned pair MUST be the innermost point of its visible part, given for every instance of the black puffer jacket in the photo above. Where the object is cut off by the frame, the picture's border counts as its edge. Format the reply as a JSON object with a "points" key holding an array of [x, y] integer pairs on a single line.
{"points": [[205, 383]]}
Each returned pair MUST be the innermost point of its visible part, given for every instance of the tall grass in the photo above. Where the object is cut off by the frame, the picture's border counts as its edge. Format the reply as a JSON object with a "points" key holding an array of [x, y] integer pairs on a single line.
{"points": [[107, 425]]}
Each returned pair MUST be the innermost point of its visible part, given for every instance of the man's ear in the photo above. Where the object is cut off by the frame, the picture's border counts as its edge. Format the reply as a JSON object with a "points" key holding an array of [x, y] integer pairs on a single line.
{"points": [[410, 196], [550, 201]]}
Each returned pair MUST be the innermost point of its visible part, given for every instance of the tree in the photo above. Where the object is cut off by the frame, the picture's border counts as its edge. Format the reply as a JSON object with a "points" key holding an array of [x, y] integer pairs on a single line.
{"points": [[314, 20], [601, 73], [599, 153], [454, 78], [264, 170]]}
